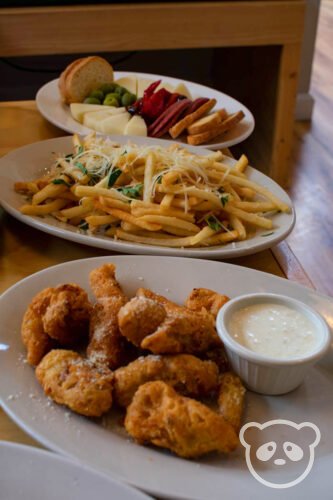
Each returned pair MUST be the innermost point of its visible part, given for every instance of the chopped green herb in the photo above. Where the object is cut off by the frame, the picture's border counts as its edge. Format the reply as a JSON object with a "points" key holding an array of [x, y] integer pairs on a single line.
{"points": [[213, 223], [224, 199], [131, 191], [124, 153], [83, 169], [159, 179], [60, 181], [80, 150], [267, 234], [84, 226], [69, 157], [114, 174]]}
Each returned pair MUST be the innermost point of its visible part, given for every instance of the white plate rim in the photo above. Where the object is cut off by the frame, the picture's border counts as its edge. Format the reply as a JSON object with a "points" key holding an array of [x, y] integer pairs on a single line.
{"points": [[52, 86], [321, 302], [74, 464], [230, 250]]}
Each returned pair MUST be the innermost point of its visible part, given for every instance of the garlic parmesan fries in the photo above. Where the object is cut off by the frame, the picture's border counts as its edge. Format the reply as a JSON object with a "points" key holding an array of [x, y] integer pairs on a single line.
{"points": [[151, 194]]}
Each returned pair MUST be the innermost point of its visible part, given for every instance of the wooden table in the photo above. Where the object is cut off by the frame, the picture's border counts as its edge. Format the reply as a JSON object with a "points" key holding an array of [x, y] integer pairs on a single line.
{"points": [[26, 250]]}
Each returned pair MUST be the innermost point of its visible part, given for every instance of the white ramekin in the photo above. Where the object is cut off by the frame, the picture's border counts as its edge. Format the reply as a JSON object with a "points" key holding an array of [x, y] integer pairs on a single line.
{"points": [[265, 374]]}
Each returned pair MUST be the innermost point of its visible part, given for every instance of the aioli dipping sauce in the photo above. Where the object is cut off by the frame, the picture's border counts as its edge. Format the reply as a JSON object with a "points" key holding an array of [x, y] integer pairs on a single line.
{"points": [[274, 330]]}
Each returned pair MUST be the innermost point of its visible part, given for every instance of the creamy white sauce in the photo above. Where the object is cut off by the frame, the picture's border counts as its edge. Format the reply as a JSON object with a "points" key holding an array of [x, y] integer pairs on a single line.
{"points": [[274, 330]]}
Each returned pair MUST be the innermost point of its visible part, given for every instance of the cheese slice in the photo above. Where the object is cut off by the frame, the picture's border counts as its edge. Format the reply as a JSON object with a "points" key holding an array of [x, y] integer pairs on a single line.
{"points": [[183, 90], [136, 126], [129, 83], [78, 110], [143, 83], [115, 124], [94, 119]]}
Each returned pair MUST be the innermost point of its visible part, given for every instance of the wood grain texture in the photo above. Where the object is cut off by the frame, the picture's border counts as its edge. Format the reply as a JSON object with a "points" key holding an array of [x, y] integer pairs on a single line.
{"points": [[98, 28], [285, 107], [312, 182]]}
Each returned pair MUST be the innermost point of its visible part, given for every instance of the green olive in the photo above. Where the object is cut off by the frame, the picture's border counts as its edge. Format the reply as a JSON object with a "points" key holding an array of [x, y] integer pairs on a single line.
{"points": [[111, 101], [120, 90], [92, 100], [127, 99], [98, 94], [106, 88]]}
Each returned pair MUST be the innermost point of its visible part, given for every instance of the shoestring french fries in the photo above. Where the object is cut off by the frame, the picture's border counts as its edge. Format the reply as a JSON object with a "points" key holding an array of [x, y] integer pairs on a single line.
{"points": [[164, 196]]}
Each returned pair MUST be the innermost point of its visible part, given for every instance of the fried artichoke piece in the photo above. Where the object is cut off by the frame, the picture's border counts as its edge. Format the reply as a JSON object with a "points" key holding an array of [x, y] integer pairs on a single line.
{"points": [[186, 373], [66, 318], [106, 345], [140, 317], [184, 331], [75, 382], [160, 416], [169, 306], [204, 298], [103, 282], [231, 399], [34, 337]]}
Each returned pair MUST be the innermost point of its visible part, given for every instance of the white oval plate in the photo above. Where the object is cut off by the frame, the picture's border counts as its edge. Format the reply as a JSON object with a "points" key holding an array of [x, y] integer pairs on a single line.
{"points": [[34, 474], [30, 162], [107, 448], [55, 111]]}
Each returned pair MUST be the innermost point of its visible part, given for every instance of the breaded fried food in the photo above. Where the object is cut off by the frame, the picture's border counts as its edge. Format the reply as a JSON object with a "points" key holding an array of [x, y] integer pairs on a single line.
{"points": [[160, 416], [231, 399], [185, 373], [66, 318], [106, 345], [169, 306], [219, 356], [75, 382], [204, 298], [103, 282], [184, 331], [140, 317], [34, 337]]}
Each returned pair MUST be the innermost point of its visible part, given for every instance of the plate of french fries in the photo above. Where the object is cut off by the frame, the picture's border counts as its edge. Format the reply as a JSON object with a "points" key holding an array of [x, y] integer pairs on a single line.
{"points": [[46, 402], [220, 123], [145, 196]]}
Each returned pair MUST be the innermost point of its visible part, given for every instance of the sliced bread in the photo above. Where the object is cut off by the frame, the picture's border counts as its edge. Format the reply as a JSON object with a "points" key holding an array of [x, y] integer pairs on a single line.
{"points": [[180, 126], [223, 127], [63, 76], [84, 76], [207, 122]]}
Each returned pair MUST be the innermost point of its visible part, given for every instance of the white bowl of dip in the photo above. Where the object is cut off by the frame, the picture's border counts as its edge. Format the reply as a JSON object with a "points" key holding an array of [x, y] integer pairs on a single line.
{"points": [[271, 340]]}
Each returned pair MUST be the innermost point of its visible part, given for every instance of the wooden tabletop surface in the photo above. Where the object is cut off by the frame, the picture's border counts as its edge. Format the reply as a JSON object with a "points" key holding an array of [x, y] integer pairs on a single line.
{"points": [[25, 251]]}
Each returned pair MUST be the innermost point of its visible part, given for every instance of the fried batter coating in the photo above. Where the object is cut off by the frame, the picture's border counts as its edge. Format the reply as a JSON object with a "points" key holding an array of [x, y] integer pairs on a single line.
{"points": [[184, 331], [140, 317], [204, 298], [35, 339], [169, 306], [219, 356], [160, 416], [106, 345], [231, 399], [103, 282], [186, 373], [75, 382], [66, 318]]}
